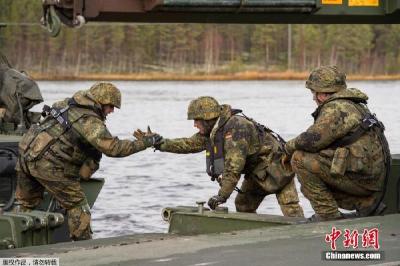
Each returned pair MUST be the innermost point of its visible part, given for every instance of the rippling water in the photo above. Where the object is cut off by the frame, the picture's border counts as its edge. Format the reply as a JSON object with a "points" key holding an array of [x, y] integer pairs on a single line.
{"points": [[139, 186]]}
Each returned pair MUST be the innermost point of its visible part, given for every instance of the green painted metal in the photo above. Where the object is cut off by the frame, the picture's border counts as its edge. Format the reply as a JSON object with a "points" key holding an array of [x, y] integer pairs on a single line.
{"points": [[187, 220], [190, 223], [315, 8], [166, 213], [24, 229], [237, 3], [15, 230], [44, 226], [91, 188], [392, 6]]}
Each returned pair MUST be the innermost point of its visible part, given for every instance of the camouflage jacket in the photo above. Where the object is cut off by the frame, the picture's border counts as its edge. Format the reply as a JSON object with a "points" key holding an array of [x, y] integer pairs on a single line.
{"points": [[80, 146], [17, 89], [336, 118], [243, 152]]}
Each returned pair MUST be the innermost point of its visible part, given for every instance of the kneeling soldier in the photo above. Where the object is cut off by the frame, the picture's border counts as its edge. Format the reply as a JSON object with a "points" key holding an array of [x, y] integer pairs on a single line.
{"points": [[343, 159], [235, 145]]}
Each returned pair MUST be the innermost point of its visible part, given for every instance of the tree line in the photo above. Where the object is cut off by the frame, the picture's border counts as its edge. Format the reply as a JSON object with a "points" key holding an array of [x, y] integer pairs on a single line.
{"points": [[193, 48]]}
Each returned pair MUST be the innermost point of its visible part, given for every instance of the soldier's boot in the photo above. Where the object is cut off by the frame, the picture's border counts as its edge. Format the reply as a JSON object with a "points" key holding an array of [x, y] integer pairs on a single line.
{"points": [[315, 218], [308, 169], [364, 206], [79, 222], [288, 200]]}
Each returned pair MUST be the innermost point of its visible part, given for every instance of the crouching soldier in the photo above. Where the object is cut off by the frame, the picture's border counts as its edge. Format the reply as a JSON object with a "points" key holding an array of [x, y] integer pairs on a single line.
{"points": [[66, 146], [235, 145], [342, 160]]}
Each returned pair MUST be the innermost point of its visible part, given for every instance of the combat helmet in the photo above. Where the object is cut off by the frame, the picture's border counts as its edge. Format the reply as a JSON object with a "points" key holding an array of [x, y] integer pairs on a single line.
{"points": [[106, 93], [326, 79], [204, 107]]}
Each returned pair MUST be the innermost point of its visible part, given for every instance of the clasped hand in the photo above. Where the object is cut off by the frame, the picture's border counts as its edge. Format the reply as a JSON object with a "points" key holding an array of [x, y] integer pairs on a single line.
{"points": [[149, 138]]}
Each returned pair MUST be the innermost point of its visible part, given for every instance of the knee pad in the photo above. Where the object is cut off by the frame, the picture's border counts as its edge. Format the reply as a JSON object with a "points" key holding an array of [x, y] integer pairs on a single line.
{"points": [[244, 202]]}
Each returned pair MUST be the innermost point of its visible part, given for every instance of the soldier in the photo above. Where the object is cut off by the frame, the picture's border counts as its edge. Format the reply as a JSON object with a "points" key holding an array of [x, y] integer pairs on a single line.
{"points": [[235, 145], [66, 146], [342, 160], [18, 94]]}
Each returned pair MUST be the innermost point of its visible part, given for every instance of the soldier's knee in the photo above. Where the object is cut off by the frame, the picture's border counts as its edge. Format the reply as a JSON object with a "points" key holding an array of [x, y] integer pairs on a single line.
{"points": [[79, 222], [242, 204], [244, 208]]}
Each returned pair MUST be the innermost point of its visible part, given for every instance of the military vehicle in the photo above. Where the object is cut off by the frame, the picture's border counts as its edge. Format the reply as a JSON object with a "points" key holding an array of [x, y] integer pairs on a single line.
{"points": [[197, 235]]}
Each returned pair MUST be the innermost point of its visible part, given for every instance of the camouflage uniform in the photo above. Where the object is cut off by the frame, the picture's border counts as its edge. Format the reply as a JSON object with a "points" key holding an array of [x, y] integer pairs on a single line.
{"points": [[243, 151], [54, 157], [332, 173], [17, 91]]}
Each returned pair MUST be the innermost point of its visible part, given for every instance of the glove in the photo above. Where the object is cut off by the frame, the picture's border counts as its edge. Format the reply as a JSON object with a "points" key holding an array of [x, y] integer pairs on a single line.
{"points": [[139, 134], [149, 138], [216, 200], [153, 140]]}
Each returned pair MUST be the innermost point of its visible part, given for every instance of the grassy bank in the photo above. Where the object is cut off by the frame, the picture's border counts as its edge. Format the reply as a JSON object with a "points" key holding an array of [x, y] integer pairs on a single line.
{"points": [[153, 76]]}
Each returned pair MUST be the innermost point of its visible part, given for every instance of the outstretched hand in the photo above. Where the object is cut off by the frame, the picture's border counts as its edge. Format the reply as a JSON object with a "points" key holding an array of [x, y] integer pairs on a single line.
{"points": [[149, 138]]}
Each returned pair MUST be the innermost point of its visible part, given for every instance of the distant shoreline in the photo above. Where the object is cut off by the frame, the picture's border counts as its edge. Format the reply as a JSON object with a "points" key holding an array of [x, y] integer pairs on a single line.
{"points": [[161, 76]]}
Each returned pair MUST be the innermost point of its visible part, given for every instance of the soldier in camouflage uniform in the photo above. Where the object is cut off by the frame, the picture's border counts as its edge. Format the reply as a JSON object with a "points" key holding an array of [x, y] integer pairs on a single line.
{"points": [[238, 145], [342, 159], [66, 146], [18, 94]]}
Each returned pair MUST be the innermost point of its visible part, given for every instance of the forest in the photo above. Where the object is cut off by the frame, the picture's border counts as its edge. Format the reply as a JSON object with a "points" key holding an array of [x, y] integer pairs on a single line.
{"points": [[193, 48]]}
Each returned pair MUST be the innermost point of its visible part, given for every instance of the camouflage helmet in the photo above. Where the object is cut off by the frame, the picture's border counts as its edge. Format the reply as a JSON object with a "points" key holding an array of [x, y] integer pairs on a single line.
{"points": [[205, 108], [106, 93], [326, 79]]}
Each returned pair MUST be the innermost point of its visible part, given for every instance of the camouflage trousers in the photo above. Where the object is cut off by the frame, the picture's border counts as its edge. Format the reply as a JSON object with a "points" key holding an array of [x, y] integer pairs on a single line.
{"points": [[67, 191], [325, 192], [253, 194]]}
